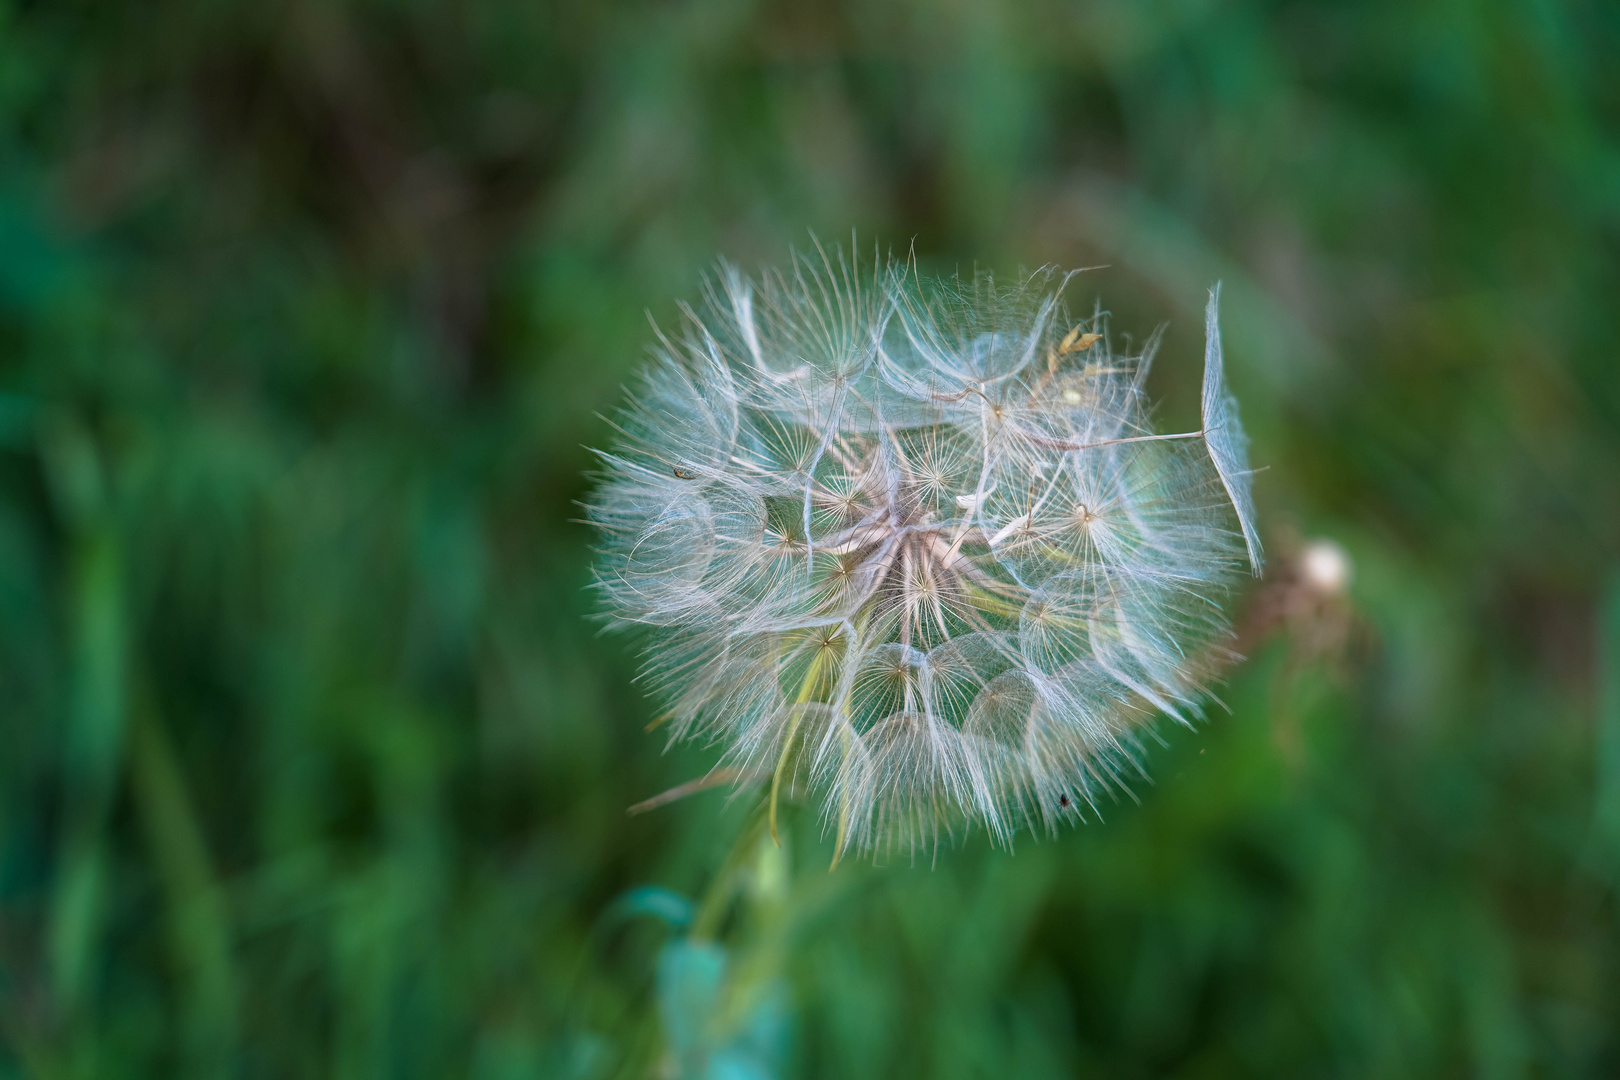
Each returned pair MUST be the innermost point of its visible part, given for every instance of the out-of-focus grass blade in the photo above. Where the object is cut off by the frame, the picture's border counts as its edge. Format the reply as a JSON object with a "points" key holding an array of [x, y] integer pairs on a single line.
{"points": [[1606, 809], [93, 739], [199, 924]]}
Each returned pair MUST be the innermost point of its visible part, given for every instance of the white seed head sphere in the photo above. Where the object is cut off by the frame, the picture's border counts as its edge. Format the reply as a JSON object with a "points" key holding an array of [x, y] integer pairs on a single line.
{"points": [[915, 545]]}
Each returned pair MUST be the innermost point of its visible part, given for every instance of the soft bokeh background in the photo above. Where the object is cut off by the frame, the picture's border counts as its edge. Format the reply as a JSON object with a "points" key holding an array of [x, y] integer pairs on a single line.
{"points": [[312, 765]]}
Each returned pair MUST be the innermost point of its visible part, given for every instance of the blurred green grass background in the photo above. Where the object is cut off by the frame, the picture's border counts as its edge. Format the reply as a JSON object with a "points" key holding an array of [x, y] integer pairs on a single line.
{"points": [[311, 763]]}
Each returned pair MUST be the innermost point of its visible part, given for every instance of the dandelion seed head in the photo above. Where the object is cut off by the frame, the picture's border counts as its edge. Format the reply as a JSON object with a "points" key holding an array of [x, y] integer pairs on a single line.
{"points": [[915, 547]]}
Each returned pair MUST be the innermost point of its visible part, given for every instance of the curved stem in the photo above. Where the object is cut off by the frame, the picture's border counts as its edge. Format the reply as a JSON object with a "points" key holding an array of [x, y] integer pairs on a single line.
{"points": [[806, 691], [712, 908]]}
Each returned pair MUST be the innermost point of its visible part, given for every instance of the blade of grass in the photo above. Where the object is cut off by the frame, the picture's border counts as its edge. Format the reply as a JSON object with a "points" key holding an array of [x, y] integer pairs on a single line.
{"points": [[199, 923]]}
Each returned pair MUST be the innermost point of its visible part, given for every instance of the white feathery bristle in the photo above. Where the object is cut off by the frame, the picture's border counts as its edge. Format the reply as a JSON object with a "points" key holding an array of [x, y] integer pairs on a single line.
{"points": [[916, 546]]}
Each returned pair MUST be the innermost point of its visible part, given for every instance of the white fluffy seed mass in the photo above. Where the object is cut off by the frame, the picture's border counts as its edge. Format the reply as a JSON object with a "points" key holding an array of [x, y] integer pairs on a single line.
{"points": [[915, 548]]}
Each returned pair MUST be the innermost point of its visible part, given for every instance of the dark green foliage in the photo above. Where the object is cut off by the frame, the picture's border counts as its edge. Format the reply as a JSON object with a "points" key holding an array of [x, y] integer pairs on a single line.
{"points": [[311, 762]]}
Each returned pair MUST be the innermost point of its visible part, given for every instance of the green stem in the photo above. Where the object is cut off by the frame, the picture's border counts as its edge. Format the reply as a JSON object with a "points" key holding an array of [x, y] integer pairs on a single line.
{"points": [[806, 691], [712, 908]]}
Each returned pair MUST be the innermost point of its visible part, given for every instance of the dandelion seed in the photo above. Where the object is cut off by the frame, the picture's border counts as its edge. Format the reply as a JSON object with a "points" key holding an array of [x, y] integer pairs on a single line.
{"points": [[923, 553]]}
